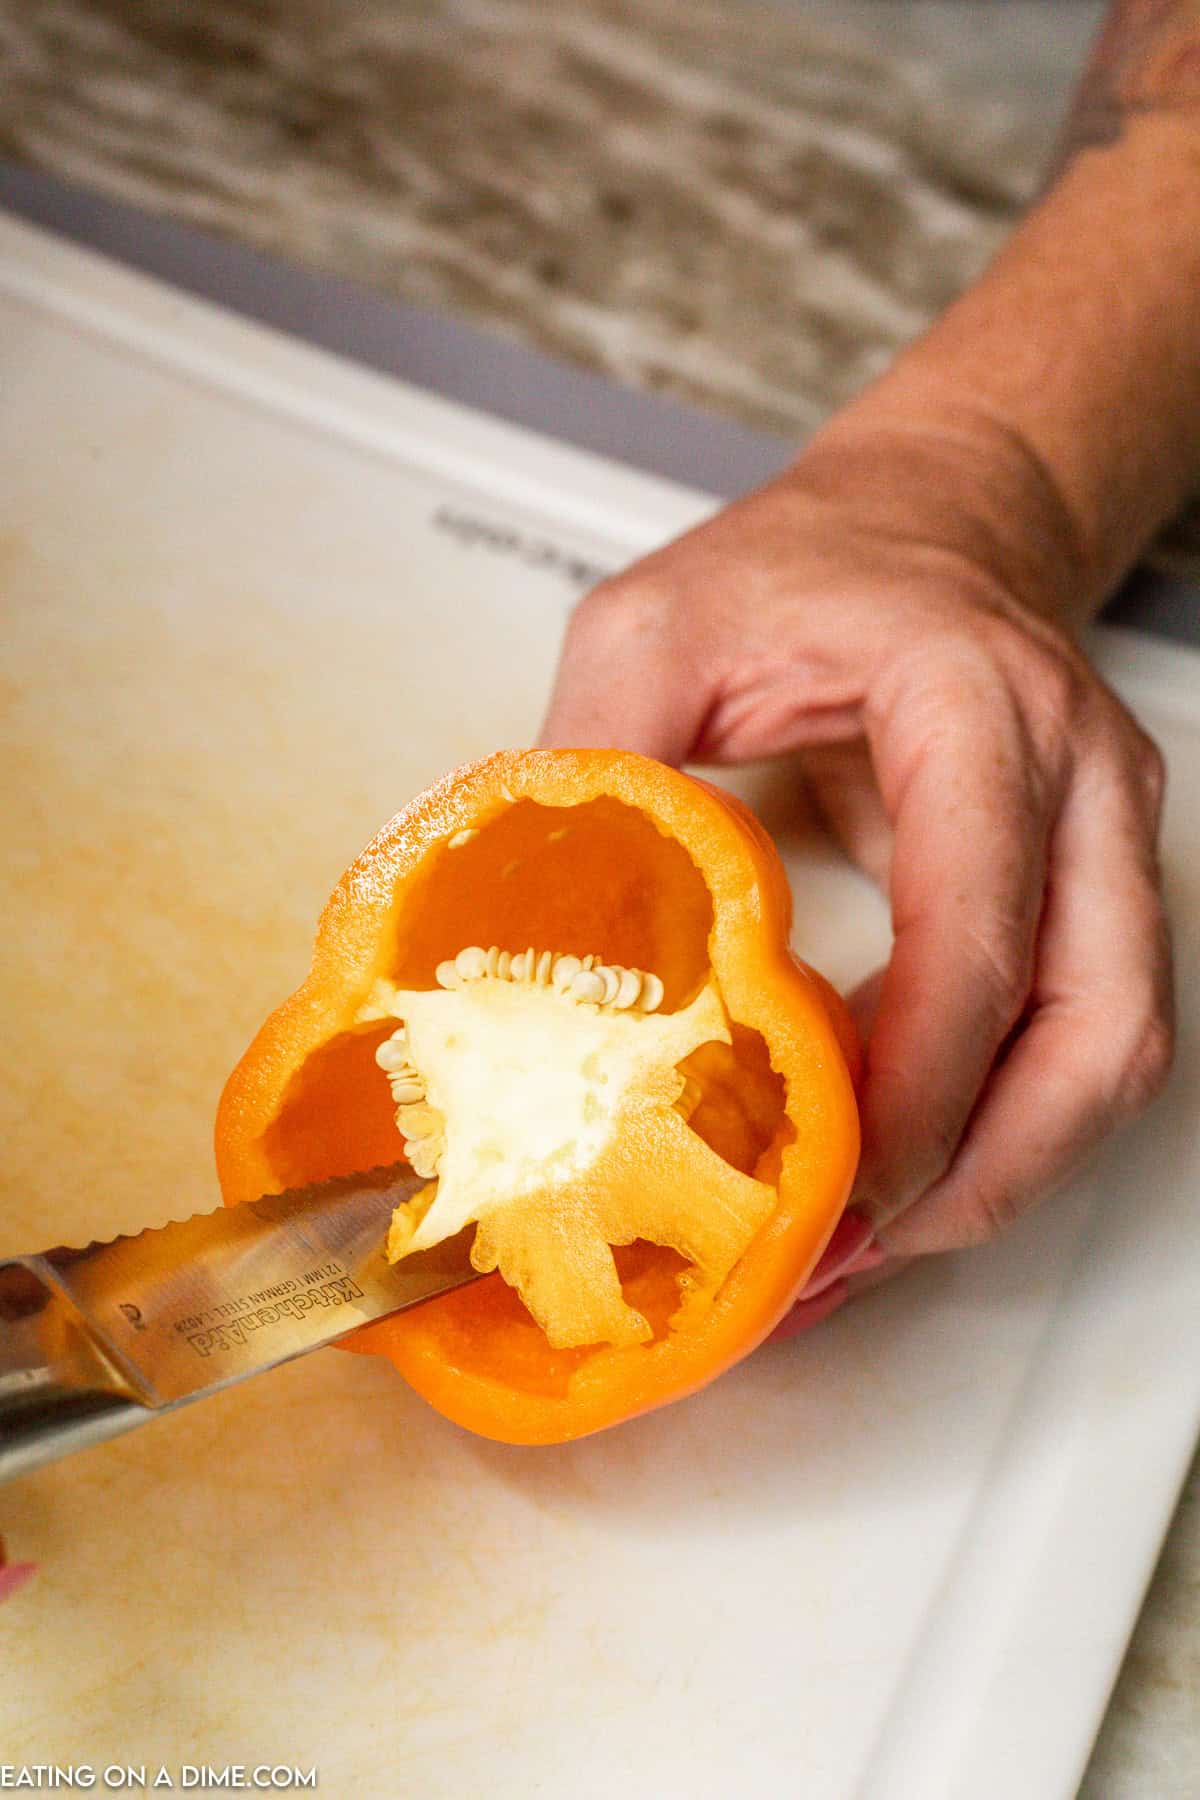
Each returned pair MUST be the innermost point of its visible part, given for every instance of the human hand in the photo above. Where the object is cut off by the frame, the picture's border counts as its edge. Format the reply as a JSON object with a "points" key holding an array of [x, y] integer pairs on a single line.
{"points": [[885, 608]]}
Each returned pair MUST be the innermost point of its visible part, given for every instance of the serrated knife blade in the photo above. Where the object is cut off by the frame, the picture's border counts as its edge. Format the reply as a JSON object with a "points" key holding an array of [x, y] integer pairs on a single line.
{"points": [[98, 1339]]}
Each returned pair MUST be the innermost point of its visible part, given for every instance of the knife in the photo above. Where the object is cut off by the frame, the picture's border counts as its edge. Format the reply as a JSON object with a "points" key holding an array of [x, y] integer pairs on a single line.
{"points": [[99, 1339]]}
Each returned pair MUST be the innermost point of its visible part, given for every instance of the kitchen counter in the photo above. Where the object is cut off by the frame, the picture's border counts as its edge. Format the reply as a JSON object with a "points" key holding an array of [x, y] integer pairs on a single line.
{"points": [[744, 208]]}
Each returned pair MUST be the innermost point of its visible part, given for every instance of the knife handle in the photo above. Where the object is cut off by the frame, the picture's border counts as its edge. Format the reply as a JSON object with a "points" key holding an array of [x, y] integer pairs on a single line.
{"points": [[58, 1391]]}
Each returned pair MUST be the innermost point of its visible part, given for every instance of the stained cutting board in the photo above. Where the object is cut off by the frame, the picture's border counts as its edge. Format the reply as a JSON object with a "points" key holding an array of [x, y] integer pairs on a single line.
{"points": [[253, 599]]}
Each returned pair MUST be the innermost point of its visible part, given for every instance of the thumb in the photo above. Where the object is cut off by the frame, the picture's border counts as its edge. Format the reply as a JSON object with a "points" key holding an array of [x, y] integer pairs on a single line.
{"points": [[626, 679]]}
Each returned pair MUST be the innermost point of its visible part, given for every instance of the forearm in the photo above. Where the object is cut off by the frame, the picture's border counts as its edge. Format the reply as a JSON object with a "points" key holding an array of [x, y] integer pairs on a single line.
{"points": [[1078, 352]]}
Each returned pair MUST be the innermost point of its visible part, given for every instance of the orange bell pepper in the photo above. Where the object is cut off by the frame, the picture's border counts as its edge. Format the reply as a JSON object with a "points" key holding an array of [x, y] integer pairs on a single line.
{"points": [[571, 970]]}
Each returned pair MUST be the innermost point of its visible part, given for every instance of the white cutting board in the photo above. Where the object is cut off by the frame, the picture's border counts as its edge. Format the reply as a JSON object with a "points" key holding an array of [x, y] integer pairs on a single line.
{"points": [[253, 599]]}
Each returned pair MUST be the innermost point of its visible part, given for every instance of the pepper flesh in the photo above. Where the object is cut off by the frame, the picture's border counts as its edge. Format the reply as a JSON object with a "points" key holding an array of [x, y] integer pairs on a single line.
{"points": [[750, 1096]]}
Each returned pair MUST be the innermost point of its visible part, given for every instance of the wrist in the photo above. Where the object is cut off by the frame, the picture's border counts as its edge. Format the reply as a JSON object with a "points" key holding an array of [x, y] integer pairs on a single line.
{"points": [[930, 472]]}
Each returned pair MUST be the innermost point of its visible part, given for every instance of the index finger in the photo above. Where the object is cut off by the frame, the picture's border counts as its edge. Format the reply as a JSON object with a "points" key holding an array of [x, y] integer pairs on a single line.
{"points": [[971, 810]]}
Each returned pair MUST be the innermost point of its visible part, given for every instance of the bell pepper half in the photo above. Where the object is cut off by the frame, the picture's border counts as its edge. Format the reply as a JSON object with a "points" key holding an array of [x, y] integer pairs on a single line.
{"points": [[559, 984]]}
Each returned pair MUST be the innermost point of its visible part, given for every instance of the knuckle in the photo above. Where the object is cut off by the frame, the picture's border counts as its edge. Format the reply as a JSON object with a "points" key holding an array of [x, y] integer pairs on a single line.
{"points": [[1051, 682], [1146, 1060], [1061, 692], [1029, 691], [621, 609], [1151, 770], [993, 1212], [943, 1135], [1003, 956], [1056, 691]]}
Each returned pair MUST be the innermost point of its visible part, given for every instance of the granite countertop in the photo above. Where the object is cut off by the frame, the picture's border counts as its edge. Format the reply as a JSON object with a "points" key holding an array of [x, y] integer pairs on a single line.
{"points": [[747, 206]]}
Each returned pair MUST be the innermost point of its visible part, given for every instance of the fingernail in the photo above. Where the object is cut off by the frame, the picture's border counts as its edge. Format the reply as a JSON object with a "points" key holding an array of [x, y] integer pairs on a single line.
{"points": [[851, 1249], [13, 1576], [806, 1313]]}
